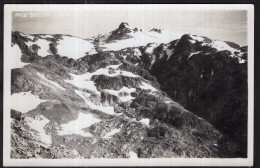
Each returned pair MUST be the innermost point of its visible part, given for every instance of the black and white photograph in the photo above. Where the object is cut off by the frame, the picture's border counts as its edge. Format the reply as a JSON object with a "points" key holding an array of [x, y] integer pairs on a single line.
{"points": [[137, 85]]}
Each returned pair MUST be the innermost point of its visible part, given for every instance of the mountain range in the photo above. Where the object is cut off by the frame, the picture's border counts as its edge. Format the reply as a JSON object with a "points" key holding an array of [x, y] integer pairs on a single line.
{"points": [[128, 94]]}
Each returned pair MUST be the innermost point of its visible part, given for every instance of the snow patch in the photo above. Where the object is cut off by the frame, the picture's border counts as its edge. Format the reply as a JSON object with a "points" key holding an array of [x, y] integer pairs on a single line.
{"points": [[27, 36], [221, 46], [150, 48], [111, 133], [169, 53], [241, 61], [38, 124], [25, 101], [124, 56], [197, 38], [108, 110], [47, 85], [137, 52], [46, 36], [145, 121], [133, 155], [51, 82], [77, 126], [192, 41], [146, 86], [74, 47], [113, 66], [44, 47], [15, 57], [84, 80], [177, 42], [128, 74], [193, 54]]}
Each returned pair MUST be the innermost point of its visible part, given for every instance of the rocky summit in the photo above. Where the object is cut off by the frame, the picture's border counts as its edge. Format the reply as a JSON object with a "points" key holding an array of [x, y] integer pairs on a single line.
{"points": [[128, 94]]}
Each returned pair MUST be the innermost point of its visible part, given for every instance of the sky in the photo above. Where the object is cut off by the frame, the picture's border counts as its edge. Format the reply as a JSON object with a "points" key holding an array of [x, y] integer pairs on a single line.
{"points": [[226, 25]]}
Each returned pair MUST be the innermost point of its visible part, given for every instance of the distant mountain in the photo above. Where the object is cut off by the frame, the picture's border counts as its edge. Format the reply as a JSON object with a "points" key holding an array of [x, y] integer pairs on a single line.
{"points": [[128, 93]]}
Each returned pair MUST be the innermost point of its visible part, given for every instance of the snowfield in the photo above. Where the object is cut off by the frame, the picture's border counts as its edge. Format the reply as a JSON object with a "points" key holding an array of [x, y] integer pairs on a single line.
{"points": [[16, 58], [74, 47], [142, 39], [218, 45], [38, 123], [44, 47], [55, 85], [18, 101], [76, 126], [84, 81]]}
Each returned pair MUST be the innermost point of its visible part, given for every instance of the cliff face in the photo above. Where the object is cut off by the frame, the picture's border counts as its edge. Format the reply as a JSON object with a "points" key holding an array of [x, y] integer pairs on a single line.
{"points": [[160, 98], [210, 83]]}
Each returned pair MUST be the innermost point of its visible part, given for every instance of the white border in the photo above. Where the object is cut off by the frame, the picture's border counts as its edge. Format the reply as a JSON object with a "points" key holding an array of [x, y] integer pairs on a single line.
{"points": [[8, 9]]}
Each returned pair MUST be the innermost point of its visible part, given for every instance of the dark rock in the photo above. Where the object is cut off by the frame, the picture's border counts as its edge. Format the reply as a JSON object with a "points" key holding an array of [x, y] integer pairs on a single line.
{"points": [[109, 100], [123, 94], [123, 25], [133, 94], [16, 115]]}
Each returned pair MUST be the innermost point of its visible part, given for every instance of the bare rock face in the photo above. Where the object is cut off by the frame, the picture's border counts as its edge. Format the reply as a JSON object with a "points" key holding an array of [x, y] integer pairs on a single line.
{"points": [[116, 83], [205, 83], [109, 100], [123, 25], [16, 115]]}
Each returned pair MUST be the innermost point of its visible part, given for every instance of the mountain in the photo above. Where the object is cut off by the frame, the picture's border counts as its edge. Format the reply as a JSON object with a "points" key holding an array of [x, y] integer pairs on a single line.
{"points": [[127, 94], [125, 37]]}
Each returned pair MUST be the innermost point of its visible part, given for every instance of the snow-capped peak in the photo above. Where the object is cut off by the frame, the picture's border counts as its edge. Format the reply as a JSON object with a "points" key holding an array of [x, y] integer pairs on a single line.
{"points": [[125, 37]]}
